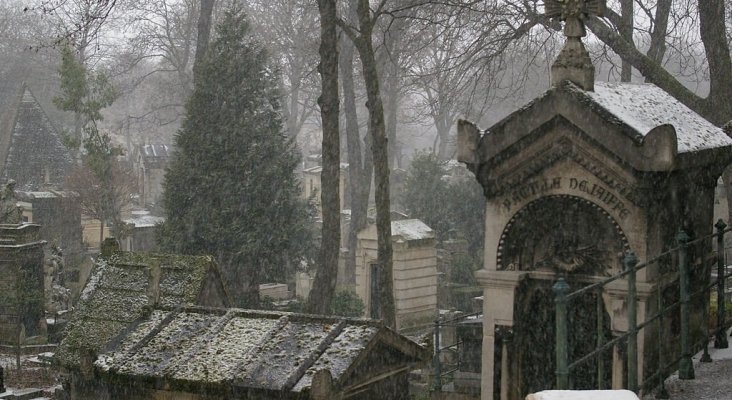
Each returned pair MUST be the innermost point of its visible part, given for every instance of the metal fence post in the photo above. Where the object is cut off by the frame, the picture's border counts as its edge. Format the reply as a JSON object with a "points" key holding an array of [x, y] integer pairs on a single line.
{"points": [[600, 309], [720, 339], [661, 393], [686, 367], [561, 288], [630, 262], [436, 359]]}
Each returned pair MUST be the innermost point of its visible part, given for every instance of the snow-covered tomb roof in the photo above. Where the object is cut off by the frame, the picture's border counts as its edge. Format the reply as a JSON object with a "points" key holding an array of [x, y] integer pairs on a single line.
{"points": [[247, 349], [644, 107], [120, 289], [638, 124]]}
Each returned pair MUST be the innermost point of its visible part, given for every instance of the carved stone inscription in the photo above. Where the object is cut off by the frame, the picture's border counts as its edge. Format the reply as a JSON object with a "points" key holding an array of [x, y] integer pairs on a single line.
{"points": [[594, 189], [601, 193]]}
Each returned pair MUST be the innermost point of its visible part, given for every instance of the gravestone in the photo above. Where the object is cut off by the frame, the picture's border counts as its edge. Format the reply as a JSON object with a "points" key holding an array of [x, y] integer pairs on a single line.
{"points": [[582, 174]]}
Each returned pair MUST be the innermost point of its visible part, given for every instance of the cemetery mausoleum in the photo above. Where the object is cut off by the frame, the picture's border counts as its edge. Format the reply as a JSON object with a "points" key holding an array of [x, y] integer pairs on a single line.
{"points": [[574, 180]]}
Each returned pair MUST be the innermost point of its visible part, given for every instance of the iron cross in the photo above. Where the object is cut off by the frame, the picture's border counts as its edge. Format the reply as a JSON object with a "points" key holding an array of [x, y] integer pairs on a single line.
{"points": [[573, 12]]}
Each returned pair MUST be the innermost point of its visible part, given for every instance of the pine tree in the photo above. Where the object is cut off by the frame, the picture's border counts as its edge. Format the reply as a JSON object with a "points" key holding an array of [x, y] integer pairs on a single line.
{"points": [[230, 190]]}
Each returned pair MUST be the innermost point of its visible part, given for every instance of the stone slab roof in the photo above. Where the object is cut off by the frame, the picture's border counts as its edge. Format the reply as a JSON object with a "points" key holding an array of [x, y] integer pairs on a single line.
{"points": [[244, 348], [121, 289]]}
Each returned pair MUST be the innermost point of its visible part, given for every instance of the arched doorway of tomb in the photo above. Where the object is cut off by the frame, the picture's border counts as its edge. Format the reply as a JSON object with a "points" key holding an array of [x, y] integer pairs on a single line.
{"points": [[562, 233], [534, 340], [555, 235]]}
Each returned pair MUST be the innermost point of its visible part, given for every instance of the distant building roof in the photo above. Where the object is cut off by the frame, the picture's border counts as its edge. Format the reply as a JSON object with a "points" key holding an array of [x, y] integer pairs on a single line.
{"points": [[142, 219], [411, 229], [50, 194], [405, 229], [156, 150], [31, 150], [250, 349], [319, 169], [121, 288]]}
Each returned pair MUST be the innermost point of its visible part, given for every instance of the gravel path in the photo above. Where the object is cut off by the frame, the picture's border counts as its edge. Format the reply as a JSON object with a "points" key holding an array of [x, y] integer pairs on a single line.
{"points": [[713, 380]]}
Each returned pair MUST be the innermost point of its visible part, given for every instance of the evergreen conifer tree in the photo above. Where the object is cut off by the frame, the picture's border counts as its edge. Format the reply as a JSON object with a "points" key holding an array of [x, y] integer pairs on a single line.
{"points": [[231, 190]]}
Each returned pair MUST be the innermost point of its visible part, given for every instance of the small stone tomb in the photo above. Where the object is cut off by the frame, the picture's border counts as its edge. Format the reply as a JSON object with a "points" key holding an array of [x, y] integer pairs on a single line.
{"points": [[203, 353]]}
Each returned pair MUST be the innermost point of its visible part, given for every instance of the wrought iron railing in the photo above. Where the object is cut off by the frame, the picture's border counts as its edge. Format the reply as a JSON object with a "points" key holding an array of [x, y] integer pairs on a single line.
{"points": [[443, 372], [664, 366]]}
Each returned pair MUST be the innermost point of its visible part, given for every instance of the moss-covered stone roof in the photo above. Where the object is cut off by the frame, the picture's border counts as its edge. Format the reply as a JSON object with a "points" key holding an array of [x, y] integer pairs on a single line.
{"points": [[247, 349], [122, 288]]}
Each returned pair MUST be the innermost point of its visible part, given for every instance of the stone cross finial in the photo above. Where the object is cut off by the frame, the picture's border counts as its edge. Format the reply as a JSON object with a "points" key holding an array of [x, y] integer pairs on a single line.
{"points": [[573, 12], [573, 63]]}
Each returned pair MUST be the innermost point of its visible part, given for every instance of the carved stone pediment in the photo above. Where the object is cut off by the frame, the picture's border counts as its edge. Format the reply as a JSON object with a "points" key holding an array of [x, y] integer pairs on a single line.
{"points": [[519, 170]]}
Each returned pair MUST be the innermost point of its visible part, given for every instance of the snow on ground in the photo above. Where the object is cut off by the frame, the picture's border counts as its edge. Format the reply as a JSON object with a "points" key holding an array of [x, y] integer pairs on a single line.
{"points": [[583, 395]]}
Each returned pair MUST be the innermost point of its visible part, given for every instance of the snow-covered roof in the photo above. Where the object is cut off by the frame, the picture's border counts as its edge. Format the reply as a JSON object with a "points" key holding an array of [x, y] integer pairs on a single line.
{"points": [[156, 150], [141, 221], [118, 291], [49, 194], [639, 124], [319, 169], [411, 229], [253, 349], [644, 107], [583, 395]]}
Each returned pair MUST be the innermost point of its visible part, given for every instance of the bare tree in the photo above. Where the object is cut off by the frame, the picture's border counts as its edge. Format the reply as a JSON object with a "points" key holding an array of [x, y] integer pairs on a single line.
{"points": [[290, 29], [204, 31], [100, 200], [362, 38], [327, 272], [360, 162]]}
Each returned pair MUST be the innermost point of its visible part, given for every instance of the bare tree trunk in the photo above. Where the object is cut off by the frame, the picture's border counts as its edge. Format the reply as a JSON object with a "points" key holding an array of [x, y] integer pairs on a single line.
{"points": [[326, 275], [389, 62], [381, 162], [713, 34], [657, 49], [392, 105], [204, 33], [626, 31], [360, 166]]}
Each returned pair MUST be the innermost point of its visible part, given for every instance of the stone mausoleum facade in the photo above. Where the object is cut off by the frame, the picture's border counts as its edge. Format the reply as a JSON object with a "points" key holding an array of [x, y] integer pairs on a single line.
{"points": [[573, 180]]}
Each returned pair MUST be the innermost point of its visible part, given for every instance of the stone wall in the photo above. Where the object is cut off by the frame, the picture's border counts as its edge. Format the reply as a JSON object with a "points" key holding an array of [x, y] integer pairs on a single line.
{"points": [[21, 285], [59, 216]]}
